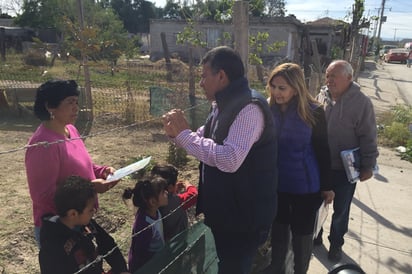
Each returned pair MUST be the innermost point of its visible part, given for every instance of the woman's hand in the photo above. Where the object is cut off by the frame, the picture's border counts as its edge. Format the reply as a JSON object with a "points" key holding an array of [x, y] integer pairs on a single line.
{"points": [[328, 196], [108, 170], [102, 185]]}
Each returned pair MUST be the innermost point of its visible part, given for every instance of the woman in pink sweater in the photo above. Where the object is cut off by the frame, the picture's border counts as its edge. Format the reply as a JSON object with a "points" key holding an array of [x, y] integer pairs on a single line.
{"points": [[48, 164]]}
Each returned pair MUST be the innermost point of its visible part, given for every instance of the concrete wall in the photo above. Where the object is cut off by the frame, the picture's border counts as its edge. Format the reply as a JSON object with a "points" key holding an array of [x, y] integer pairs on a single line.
{"points": [[280, 29]]}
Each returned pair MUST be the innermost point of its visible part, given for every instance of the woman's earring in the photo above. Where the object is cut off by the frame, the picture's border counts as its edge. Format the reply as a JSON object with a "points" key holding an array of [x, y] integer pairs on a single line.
{"points": [[51, 116]]}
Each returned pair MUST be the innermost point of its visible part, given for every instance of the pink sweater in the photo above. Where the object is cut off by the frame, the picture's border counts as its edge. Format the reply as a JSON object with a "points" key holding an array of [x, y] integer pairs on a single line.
{"points": [[46, 166]]}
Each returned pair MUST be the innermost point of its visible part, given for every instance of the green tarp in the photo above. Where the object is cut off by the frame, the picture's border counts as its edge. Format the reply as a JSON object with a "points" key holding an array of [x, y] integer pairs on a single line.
{"points": [[192, 251], [164, 99]]}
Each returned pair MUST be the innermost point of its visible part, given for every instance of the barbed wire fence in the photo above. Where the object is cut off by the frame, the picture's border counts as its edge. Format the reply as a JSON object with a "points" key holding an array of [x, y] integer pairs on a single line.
{"points": [[133, 93]]}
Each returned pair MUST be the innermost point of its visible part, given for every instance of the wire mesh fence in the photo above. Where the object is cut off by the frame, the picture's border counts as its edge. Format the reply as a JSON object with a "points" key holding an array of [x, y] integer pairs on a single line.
{"points": [[131, 90]]}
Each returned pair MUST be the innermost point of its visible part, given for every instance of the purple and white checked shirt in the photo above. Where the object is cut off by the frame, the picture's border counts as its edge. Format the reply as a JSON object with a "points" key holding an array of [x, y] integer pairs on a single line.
{"points": [[245, 130]]}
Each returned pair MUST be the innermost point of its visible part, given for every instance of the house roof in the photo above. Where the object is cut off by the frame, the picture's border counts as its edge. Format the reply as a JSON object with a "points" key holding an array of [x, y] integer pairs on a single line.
{"points": [[325, 21]]}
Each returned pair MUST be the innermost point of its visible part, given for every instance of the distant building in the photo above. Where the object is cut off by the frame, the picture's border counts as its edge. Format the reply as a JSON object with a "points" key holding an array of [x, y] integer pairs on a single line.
{"points": [[6, 22], [287, 29], [329, 34], [15, 37]]}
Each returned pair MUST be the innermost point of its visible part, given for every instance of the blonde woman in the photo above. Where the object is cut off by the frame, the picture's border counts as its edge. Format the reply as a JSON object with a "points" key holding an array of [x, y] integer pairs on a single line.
{"points": [[303, 164]]}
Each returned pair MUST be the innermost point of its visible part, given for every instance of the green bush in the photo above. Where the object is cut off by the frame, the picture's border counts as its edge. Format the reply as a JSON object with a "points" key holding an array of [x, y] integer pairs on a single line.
{"points": [[35, 58], [397, 133], [402, 114], [408, 154], [177, 156], [394, 129]]}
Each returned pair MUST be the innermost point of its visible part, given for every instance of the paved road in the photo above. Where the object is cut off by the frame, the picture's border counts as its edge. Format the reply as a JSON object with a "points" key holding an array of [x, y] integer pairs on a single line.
{"points": [[402, 78]]}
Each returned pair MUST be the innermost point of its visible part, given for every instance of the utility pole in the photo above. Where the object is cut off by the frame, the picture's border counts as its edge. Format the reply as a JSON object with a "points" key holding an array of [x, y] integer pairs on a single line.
{"points": [[381, 20]]}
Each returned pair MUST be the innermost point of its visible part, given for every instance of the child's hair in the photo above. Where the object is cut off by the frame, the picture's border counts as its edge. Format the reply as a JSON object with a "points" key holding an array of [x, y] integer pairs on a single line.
{"points": [[73, 193], [168, 172], [145, 189]]}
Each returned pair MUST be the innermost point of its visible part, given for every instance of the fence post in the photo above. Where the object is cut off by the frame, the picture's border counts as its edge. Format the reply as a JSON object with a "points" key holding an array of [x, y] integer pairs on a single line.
{"points": [[3, 44]]}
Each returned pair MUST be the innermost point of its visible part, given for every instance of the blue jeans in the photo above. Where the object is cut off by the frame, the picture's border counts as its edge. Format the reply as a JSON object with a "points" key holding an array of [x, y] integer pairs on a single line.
{"points": [[236, 250], [344, 191]]}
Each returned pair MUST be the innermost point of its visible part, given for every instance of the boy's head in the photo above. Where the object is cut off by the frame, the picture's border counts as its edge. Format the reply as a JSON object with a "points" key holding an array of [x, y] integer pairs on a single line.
{"points": [[167, 172], [77, 196]]}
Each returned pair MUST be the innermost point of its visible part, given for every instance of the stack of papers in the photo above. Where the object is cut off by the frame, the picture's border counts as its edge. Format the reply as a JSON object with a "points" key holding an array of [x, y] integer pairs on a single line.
{"points": [[351, 163], [321, 216], [127, 170]]}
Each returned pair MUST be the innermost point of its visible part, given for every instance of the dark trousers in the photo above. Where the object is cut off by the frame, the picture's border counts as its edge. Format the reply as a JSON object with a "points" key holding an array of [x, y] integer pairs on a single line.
{"points": [[344, 191], [298, 211], [236, 250]]}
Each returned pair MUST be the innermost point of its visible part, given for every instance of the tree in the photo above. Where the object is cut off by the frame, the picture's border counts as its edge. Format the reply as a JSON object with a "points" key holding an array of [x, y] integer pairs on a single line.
{"points": [[102, 37], [43, 13], [5, 15], [257, 8], [135, 14], [358, 22], [257, 46], [172, 10], [276, 8], [10, 7]]}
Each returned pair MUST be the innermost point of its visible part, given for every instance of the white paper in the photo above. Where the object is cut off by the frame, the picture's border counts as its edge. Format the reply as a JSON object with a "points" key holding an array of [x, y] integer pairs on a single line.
{"points": [[321, 216], [127, 170]]}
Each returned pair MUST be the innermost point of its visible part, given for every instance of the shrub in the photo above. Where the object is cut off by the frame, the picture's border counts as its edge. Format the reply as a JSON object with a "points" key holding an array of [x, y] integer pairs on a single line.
{"points": [[408, 153], [34, 58], [177, 156], [397, 133]]}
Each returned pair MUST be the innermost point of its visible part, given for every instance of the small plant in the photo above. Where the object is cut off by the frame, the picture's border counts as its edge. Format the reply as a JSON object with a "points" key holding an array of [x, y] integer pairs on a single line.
{"points": [[176, 156], [141, 173], [394, 129], [407, 155], [397, 133], [35, 58]]}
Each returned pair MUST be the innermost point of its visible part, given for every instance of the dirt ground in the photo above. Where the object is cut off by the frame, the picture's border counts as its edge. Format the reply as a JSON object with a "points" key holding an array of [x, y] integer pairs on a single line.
{"points": [[112, 144]]}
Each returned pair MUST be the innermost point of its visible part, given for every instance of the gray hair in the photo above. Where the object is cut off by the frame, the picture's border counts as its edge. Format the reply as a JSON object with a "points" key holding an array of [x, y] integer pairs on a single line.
{"points": [[345, 65]]}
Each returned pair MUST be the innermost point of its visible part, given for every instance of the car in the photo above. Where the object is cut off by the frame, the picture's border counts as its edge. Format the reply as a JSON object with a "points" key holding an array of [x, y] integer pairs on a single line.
{"points": [[396, 55], [385, 49]]}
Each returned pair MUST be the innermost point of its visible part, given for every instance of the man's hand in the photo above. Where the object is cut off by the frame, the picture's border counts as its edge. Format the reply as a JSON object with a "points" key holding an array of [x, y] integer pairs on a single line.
{"points": [[365, 174], [174, 122]]}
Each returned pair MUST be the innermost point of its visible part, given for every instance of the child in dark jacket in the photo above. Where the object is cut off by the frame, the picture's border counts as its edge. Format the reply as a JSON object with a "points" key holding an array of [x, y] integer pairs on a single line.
{"points": [[182, 195], [72, 240], [147, 239]]}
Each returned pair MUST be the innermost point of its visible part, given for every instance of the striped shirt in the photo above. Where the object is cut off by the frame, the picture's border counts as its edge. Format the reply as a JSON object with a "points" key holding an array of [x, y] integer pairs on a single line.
{"points": [[245, 130]]}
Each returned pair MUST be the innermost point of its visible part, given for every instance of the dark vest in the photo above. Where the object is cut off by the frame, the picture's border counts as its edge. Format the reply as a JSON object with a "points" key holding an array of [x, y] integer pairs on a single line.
{"points": [[297, 163], [245, 200]]}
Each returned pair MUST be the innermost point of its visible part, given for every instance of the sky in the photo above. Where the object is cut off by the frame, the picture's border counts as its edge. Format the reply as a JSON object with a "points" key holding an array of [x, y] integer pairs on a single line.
{"points": [[398, 12]]}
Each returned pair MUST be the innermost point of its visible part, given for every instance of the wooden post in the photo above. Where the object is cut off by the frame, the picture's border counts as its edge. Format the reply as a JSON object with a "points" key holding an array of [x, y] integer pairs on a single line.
{"points": [[3, 44], [85, 115], [167, 57], [241, 30]]}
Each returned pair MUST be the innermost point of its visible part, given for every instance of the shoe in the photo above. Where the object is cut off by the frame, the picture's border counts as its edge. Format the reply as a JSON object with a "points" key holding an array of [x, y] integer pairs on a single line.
{"points": [[318, 240], [335, 253]]}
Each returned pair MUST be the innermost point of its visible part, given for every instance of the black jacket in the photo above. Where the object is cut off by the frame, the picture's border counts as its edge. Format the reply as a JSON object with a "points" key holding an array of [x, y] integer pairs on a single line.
{"points": [[247, 199], [64, 250]]}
